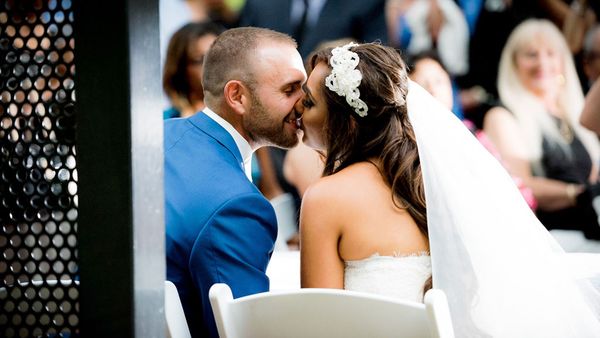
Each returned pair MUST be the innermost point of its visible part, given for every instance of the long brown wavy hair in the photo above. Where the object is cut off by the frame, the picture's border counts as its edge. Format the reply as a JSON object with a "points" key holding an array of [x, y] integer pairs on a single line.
{"points": [[385, 134]]}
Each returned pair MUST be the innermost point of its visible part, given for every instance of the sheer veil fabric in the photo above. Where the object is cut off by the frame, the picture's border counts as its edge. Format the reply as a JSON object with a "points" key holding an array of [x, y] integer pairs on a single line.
{"points": [[503, 273]]}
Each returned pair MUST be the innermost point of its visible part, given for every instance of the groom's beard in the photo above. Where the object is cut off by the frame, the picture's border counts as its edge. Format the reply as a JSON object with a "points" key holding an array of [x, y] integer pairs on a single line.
{"points": [[267, 129]]}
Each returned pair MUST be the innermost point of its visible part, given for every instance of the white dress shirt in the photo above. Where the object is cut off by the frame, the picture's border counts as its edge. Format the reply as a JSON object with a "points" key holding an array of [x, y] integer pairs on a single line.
{"points": [[243, 145]]}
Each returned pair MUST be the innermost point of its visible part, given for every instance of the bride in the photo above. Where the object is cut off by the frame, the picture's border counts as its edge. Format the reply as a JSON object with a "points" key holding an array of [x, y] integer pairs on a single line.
{"points": [[410, 200]]}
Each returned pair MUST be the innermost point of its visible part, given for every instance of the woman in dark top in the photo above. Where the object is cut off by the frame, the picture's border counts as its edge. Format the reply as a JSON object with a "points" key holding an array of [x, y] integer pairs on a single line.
{"points": [[537, 131], [183, 67]]}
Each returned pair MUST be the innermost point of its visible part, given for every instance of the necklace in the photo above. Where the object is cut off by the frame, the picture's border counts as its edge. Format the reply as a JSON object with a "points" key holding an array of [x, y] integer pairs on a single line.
{"points": [[565, 130]]}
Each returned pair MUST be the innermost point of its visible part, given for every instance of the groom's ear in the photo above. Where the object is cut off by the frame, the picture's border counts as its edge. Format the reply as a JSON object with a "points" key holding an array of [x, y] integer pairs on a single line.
{"points": [[237, 96]]}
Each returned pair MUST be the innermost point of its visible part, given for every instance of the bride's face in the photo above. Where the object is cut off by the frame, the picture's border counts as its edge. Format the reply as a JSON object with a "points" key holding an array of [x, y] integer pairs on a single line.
{"points": [[313, 108]]}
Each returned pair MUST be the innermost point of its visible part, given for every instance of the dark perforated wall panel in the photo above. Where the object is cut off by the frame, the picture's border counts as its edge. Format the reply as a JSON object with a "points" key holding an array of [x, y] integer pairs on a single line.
{"points": [[38, 174]]}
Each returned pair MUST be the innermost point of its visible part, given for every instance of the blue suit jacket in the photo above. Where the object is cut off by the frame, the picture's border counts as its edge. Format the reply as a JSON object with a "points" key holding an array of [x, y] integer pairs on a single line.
{"points": [[219, 227], [363, 20]]}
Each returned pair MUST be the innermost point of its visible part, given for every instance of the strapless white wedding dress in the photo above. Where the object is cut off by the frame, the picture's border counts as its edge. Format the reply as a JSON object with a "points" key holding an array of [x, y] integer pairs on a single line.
{"points": [[401, 277]]}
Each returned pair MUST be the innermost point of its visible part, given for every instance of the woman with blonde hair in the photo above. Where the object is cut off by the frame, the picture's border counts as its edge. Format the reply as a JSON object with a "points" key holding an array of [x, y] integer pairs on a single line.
{"points": [[537, 130]]}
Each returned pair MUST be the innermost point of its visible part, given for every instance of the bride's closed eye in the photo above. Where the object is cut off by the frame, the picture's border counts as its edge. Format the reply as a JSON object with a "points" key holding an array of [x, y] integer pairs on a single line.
{"points": [[307, 103]]}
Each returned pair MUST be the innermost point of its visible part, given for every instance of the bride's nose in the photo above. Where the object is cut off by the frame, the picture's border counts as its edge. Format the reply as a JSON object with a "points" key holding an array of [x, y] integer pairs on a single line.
{"points": [[298, 106]]}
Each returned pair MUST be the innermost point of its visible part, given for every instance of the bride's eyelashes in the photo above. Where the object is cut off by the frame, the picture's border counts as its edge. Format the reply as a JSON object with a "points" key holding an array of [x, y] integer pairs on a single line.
{"points": [[307, 103]]}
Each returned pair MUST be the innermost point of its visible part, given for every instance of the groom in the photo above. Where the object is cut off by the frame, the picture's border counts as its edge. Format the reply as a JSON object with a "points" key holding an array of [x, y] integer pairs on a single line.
{"points": [[219, 228]]}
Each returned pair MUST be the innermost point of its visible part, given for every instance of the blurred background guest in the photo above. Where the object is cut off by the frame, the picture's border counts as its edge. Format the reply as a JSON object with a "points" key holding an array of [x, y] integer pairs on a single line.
{"points": [[427, 71], [182, 72], [591, 56], [310, 22], [537, 130]]}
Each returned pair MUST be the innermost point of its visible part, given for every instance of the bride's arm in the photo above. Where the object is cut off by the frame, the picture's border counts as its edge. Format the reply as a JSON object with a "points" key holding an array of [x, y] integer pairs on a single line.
{"points": [[320, 263]]}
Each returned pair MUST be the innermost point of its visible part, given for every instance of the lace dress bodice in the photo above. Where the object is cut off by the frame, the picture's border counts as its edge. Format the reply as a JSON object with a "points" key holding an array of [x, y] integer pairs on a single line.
{"points": [[400, 277]]}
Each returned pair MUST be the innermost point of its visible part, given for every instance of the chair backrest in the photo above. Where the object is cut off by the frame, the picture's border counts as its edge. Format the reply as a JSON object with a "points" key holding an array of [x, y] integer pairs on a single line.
{"points": [[285, 211], [176, 324], [328, 313]]}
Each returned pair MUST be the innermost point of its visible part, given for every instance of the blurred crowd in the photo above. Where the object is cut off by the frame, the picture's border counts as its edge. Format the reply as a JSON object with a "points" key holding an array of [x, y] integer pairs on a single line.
{"points": [[516, 72]]}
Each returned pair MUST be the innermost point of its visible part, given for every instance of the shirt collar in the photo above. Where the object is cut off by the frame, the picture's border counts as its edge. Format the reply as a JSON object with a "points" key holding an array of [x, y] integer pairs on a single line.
{"points": [[240, 141]]}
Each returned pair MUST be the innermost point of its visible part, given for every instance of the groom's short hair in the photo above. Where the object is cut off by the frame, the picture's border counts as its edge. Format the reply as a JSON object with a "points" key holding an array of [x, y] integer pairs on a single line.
{"points": [[232, 54]]}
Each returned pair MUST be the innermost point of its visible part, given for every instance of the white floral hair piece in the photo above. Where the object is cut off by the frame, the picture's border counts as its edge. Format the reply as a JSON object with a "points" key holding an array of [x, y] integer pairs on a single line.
{"points": [[345, 78]]}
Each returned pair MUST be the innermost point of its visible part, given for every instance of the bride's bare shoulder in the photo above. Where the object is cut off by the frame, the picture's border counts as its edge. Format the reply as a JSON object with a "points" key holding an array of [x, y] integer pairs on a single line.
{"points": [[345, 188]]}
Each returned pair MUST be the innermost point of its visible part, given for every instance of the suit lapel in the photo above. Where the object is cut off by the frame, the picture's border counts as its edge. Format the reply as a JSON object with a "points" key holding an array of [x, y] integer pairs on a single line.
{"points": [[214, 130]]}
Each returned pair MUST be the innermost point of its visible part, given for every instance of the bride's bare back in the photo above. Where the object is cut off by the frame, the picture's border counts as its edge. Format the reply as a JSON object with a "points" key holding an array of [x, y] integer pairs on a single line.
{"points": [[350, 215]]}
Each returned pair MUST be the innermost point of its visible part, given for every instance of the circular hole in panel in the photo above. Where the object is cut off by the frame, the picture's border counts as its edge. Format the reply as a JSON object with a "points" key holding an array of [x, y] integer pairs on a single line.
{"points": [[30, 267], [37, 254], [68, 56], [65, 254], [38, 30], [37, 306], [32, 43], [10, 31], [42, 162], [68, 84], [18, 43], [30, 17], [57, 215], [58, 294], [72, 241], [51, 306], [47, 123], [16, 319], [58, 240], [45, 320], [33, 70], [26, 109], [9, 254], [23, 306], [73, 293], [59, 16], [61, 70], [43, 240], [15, 241], [49, 174], [72, 215], [40, 83], [58, 320], [46, 96], [43, 215], [27, 137], [19, 96], [44, 267], [16, 267], [52, 30], [39, 56], [30, 320], [45, 17], [46, 70], [64, 227], [64, 175], [45, 43], [51, 254], [25, 57], [56, 189], [33, 96], [24, 31], [53, 83], [26, 83], [51, 228], [60, 43], [73, 320], [65, 306], [58, 267], [72, 188]]}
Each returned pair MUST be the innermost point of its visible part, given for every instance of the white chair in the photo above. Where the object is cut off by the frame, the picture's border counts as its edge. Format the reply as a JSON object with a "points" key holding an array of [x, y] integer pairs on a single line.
{"points": [[285, 211], [176, 324], [328, 313]]}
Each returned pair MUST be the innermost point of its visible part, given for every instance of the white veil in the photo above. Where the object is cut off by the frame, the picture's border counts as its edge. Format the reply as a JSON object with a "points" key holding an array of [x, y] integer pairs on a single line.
{"points": [[503, 273]]}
